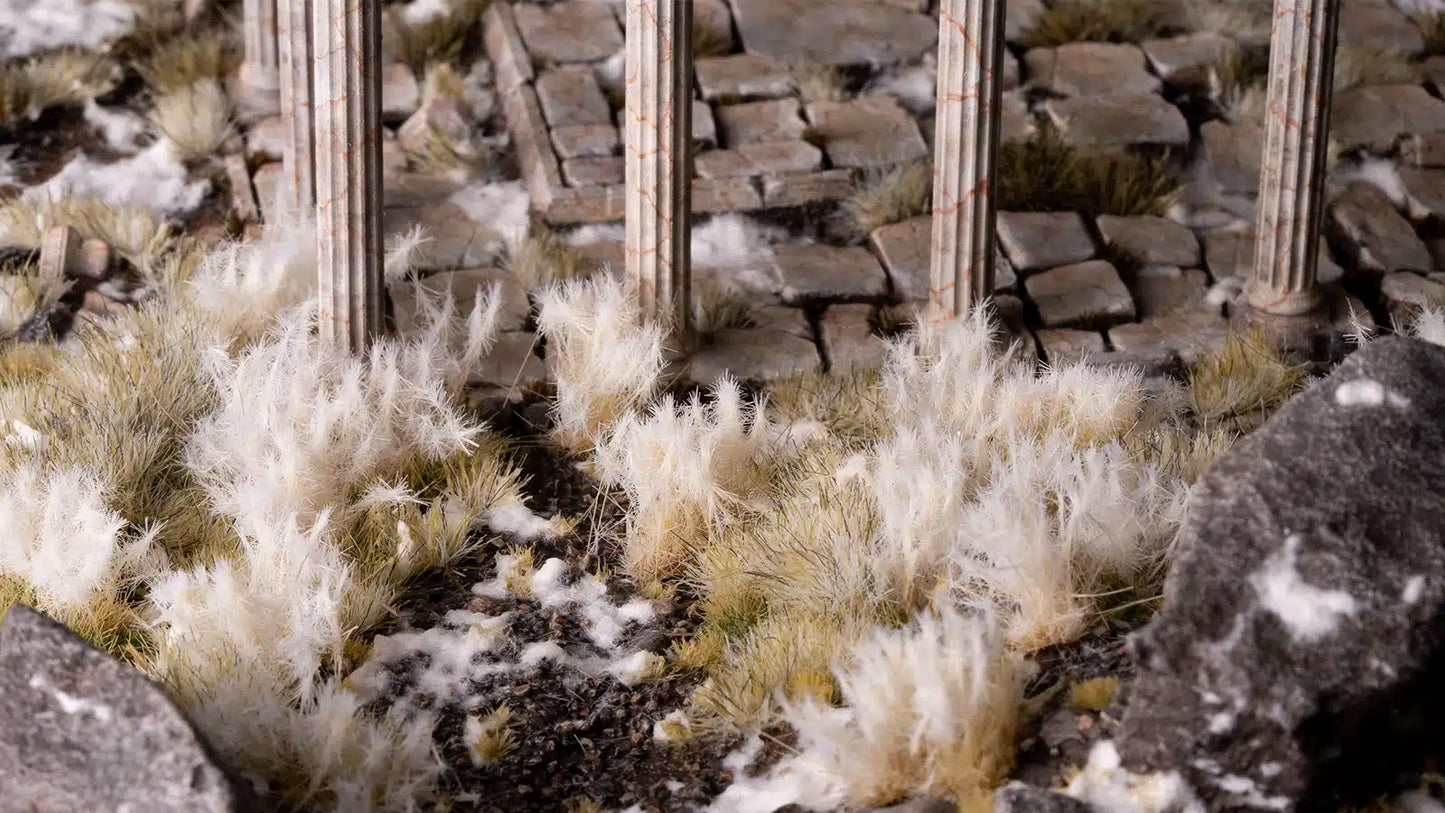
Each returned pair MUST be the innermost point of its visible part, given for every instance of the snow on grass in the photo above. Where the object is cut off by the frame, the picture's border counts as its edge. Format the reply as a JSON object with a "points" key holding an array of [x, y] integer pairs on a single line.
{"points": [[28, 26], [1308, 612], [515, 518], [121, 128], [154, 178]]}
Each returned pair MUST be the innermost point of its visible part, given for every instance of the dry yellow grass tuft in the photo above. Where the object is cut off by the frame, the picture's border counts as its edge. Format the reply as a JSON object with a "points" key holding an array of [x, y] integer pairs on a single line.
{"points": [[819, 82], [64, 77], [900, 193], [1248, 374], [1066, 21]]}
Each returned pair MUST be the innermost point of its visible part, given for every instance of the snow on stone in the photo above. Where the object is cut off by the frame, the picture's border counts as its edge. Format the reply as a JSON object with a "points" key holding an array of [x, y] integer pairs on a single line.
{"points": [[1414, 588], [1244, 788], [1105, 785], [424, 11], [449, 650], [154, 178], [69, 703], [28, 26], [1308, 612], [797, 780], [1366, 392], [501, 207]]}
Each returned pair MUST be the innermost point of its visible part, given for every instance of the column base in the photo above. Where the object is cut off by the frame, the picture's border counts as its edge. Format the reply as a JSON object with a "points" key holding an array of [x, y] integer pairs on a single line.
{"points": [[1295, 303], [257, 92], [1314, 335]]}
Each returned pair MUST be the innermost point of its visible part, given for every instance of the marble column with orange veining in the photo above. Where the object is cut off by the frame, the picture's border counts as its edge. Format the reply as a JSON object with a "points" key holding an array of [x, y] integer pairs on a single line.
{"points": [[1291, 185], [657, 131], [293, 31], [346, 94], [259, 75], [965, 151]]}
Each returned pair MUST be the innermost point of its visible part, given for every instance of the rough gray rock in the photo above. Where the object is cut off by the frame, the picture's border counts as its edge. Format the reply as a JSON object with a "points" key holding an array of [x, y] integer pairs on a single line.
{"points": [[80, 731], [1297, 660], [1021, 798]]}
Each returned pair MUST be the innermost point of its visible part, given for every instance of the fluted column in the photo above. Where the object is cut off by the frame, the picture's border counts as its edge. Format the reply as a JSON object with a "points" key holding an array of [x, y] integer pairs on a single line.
{"points": [[293, 27], [1291, 186], [260, 69], [346, 87], [658, 140], [965, 151]]}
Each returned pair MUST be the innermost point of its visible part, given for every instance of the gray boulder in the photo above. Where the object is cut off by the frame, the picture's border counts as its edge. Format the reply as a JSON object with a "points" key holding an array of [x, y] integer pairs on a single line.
{"points": [[1297, 658], [1020, 798], [80, 731]]}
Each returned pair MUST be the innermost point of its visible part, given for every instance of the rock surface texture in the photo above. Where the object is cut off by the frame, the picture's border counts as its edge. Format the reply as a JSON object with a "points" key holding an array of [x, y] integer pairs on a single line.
{"points": [[80, 731], [1299, 652]]}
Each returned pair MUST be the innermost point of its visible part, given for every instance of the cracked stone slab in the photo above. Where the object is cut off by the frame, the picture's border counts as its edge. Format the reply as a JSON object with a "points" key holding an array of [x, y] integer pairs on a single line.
{"points": [[593, 171], [756, 122], [704, 126], [1425, 149], [455, 240], [1083, 293], [464, 286], [1378, 24], [791, 189], [1164, 291], [570, 96], [1426, 186], [1231, 254], [1150, 239], [570, 31], [819, 272], [1374, 116], [905, 249], [753, 354], [1119, 120], [840, 32], [1164, 339], [511, 364], [710, 195], [1235, 154], [1377, 238], [846, 333], [1089, 69], [586, 141], [1035, 240], [759, 159], [742, 77], [1406, 293], [1062, 345], [866, 133], [1188, 57], [400, 93]]}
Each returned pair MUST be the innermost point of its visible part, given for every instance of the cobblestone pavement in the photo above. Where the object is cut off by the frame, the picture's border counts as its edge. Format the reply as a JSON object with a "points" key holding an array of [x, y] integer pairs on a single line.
{"points": [[1143, 289]]}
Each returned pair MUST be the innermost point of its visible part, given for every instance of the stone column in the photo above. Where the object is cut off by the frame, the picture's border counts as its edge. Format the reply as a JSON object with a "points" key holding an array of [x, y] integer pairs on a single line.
{"points": [[293, 26], [658, 138], [1291, 186], [260, 69], [346, 87], [965, 151]]}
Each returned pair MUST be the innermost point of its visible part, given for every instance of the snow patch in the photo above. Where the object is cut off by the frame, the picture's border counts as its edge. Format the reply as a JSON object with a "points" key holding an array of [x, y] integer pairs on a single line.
{"points": [[424, 11], [121, 128], [28, 26], [1414, 589], [154, 179], [514, 518], [69, 703], [1309, 612], [501, 207], [1105, 785]]}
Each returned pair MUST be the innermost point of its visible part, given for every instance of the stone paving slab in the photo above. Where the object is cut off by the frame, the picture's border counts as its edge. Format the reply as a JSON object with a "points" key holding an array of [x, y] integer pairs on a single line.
{"points": [[905, 250], [838, 32], [1089, 293]]}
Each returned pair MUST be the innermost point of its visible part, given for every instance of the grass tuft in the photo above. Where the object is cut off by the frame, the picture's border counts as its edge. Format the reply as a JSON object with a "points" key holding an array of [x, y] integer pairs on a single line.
{"points": [[544, 258], [441, 39], [819, 82], [1248, 374], [1045, 174], [66, 77], [1432, 28], [195, 118], [491, 738], [177, 63], [900, 193], [1066, 21], [707, 40]]}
